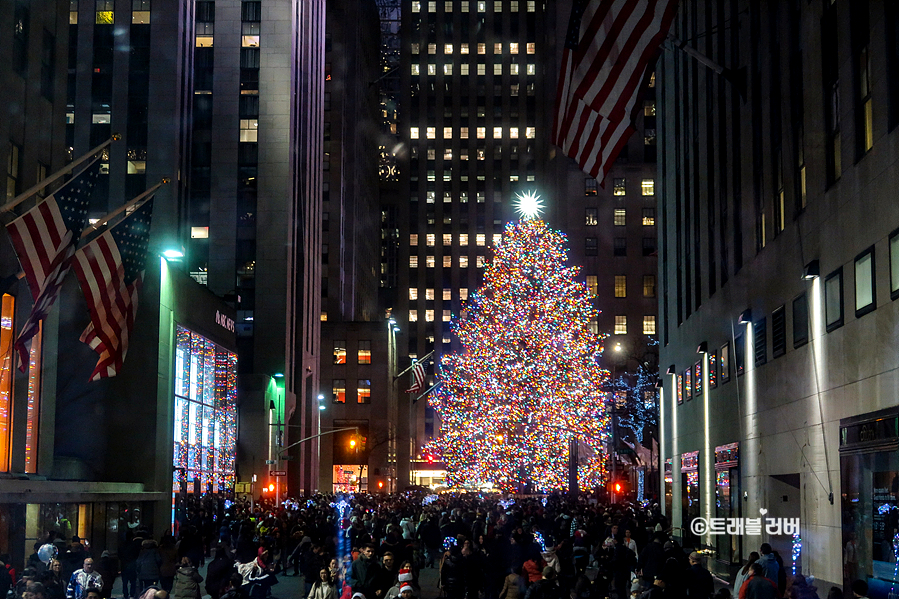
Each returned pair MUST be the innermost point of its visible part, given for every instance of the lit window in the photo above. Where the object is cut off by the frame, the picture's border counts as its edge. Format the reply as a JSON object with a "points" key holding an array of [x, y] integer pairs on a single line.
{"points": [[649, 325], [249, 37], [513, 132], [101, 118], [482, 6], [649, 216], [363, 354], [464, 7], [496, 238], [429, 294], [448, 6], [649, 286], [447, 133], [338, 390], [199, 232], [482, 69], [416, 48], [513, 68], [497, 69], [463, 293], [463, 69], [249, 129], [447, 69], [446, 339], [324, 316], [620, 217], [480, 239], [620, 286], [463, 132], [447, 48], [592, 285], [530, 132], [621, 325], [497, 48], [446, 316], [415, 69], [432, 69], [432, 6], [497, 133], [429, 261], [531, 48], [339, 353], [513, 5], [648, 186], [463, 239], [447, 261], [591, 216], [140, 12], [429, 316], [532, 5], [447, 295], [482, 48], [431, 194], [532, 69], [413, 293], [618, 186], [431, 132], [413, 261], [864, 283], [431, 238], [413, 239], [363, 391], [482, 132], [447, 155], [413, 315], [594, 327], [432, 48], [416, 6], [105, 14], [463, 49], [463, 261]]}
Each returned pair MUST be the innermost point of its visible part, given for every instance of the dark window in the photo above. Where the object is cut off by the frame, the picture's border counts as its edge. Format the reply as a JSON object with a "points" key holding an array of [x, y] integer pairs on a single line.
{"points": [[251, 11], [724, 363], [800, 321], [649, 246], [894, 264], [20, 40], [48, 65], [739, 354], [865, 289], [619, 247], [760, 340], [591, 247], [249, 106], [205, 11], [589, 186], [779, 332], [833, 300]]}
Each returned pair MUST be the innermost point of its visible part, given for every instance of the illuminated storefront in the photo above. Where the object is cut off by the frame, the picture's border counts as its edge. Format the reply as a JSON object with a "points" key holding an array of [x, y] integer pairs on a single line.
{"points": [[205, 425]]}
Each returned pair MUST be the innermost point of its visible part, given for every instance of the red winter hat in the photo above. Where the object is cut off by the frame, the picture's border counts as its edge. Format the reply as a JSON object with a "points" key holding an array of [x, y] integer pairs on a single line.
{"points": [[404, 575]]}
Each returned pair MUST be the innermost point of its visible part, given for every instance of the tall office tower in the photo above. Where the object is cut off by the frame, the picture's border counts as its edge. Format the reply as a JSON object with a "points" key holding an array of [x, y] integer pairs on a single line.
{"points": [[469, 122], [778, 261], [356, 340], [254, 212]]}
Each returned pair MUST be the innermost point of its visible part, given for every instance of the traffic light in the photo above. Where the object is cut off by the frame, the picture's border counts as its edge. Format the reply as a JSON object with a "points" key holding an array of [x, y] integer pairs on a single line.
{"points": [[362, 442], [353, 443]]}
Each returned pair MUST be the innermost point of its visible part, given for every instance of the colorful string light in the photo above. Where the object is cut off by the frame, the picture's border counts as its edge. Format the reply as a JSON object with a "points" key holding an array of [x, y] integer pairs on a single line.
{"points": [[528, 380]]}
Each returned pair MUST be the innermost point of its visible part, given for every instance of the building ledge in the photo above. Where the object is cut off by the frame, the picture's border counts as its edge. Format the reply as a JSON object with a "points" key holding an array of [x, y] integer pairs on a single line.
{"points": [[64, 491]]}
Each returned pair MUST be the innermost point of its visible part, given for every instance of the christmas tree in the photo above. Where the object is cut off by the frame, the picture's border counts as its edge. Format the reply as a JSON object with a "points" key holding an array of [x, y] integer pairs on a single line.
{"points": [[528, 380]]}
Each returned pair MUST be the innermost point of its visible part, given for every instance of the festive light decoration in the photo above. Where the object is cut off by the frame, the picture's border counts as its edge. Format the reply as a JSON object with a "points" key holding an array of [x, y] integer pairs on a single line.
{"points": [[896, 567], [638, 411], [528, 380], [528, 205], [797, 551], [449, 542], [538, 538]]}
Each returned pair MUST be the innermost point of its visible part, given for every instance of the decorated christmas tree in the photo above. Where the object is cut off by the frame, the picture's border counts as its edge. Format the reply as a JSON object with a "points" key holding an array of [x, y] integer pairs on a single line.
{"points": [[527, 382]]}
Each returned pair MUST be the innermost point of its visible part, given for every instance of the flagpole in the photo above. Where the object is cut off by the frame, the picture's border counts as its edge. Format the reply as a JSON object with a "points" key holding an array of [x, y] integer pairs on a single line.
{"points": [[55, 176], [91, 228], [434, 386], [413, 365]]}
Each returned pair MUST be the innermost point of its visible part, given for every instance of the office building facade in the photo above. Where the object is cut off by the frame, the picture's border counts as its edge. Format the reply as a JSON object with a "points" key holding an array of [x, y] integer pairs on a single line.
{"points": [[777, 281]]}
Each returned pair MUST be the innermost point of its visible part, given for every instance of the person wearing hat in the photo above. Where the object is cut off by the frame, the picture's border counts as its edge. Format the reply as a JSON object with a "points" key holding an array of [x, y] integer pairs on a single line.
{"points": [[545, 588], [407, 592], [698, 579]]}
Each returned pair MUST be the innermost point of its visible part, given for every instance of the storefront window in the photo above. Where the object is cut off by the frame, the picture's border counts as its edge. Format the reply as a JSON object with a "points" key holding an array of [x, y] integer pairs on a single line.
{"points": [[727, 498], [669, 482], [32, 417], [205, 415], [689, 496]]}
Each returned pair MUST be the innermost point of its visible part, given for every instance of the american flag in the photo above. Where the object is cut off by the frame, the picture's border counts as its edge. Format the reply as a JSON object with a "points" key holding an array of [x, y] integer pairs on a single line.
{"points": [[418, 378], [44, 240], [111, 271], [609, 46]]}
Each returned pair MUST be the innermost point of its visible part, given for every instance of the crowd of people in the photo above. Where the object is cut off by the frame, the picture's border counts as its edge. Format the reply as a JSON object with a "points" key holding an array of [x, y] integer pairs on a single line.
{"points": [[367, 547]]}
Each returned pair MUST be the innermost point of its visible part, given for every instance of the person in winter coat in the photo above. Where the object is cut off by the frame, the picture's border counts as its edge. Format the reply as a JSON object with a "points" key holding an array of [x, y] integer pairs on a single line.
{"points": [[513, 587], [169, 552], [698, 580], [187, 581], [218, 573], [768, 562], [148, 562], [324, 587], [745, 572], [108, 569]]}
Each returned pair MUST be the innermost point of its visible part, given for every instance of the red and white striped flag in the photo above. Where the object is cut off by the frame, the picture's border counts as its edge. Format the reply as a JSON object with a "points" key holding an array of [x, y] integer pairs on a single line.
{"points": [[418, 378], [44, 239], [609, 46], [111, 272]]}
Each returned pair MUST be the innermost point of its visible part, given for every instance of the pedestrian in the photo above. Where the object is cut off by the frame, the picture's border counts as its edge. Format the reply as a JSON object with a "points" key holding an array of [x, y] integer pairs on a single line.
{"points": [[744, 572], [366, 572], [148, 562], [757, 586], [546, 587], [859, 589], [169, 552], [768, 561], [108, 569], [187, 581], [218, 572], [324, 587], [82, 580], [698, 579], [513, 586]]}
